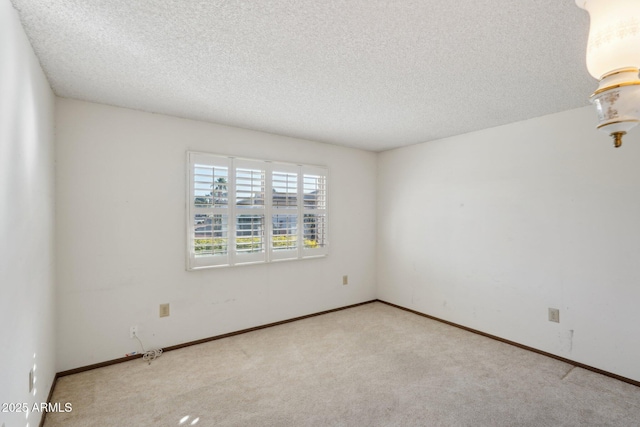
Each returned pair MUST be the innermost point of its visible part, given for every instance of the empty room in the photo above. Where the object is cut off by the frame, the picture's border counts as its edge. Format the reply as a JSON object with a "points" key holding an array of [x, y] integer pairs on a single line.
{"points": [[279, 213]]}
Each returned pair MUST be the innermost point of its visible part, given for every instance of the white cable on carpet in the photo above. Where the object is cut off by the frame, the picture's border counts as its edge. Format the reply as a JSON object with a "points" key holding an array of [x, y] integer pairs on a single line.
{"points": [[150, 355]]}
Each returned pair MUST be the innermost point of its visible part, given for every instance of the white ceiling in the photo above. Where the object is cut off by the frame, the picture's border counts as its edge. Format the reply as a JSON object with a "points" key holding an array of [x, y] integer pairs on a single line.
{"points": [[370, 74]]}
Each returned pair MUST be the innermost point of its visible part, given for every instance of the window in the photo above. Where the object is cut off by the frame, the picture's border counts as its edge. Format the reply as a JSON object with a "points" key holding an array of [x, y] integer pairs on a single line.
{"points": [[244, 211]]}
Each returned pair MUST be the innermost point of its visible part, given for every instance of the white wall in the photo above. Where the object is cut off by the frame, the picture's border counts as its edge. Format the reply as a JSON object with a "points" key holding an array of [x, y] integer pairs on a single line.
{"points": [[491, 228], [121, 235], [26, 222]]}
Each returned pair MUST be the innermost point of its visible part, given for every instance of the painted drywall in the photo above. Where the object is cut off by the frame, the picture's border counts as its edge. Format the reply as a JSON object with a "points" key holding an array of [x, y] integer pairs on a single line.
{"points": [[490, 229], [27, 298], [121, 234]]}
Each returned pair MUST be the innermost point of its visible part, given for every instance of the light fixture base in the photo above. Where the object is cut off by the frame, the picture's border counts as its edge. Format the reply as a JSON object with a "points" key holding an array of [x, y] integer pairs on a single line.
{"points": [[617, 102]]}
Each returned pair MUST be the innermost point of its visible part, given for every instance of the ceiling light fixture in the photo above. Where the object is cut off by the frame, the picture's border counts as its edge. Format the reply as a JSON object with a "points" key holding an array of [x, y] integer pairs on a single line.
{"points": [[613, 57]]}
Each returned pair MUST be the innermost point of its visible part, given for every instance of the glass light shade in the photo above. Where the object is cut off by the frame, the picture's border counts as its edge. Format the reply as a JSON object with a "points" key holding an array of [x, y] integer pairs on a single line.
{"points": [[614, 35]]}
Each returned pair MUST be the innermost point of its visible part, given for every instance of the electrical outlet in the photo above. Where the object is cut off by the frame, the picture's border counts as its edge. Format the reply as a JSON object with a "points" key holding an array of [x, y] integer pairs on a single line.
{"points": [[133, 331], [345, 280], [554, 315], [30, 380], [164, 310]]}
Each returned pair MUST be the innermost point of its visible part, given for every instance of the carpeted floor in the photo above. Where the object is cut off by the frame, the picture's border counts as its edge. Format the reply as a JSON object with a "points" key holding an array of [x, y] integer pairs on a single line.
{"points": [[372, 365]]}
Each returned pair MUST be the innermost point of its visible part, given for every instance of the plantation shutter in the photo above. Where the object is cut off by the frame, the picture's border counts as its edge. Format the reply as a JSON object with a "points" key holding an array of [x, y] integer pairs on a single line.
{"points": [[243, 211], [314, 211], [250, 213], [285, 237], [209, 210]]}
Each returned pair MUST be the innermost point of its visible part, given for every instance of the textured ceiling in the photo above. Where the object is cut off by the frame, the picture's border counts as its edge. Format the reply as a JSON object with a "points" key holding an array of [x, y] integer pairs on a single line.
{"points": [[362, 73]]}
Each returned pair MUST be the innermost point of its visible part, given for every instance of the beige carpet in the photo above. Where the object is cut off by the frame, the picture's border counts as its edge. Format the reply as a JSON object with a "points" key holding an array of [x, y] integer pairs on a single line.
{"points": [[372, 365]]}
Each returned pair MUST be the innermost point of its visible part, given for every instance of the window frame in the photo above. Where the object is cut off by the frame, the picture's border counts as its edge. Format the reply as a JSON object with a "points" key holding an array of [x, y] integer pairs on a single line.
{"points": [[232, 211]]}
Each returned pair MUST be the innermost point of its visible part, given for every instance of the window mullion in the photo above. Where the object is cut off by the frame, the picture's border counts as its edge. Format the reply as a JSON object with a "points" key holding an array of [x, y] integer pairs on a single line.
{"points": [[231, 207], [300, 212], [268, 208]]}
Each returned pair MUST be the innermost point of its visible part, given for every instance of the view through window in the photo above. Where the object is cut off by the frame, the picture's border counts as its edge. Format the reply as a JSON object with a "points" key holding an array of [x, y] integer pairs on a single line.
{"points": [[246, 211]]}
